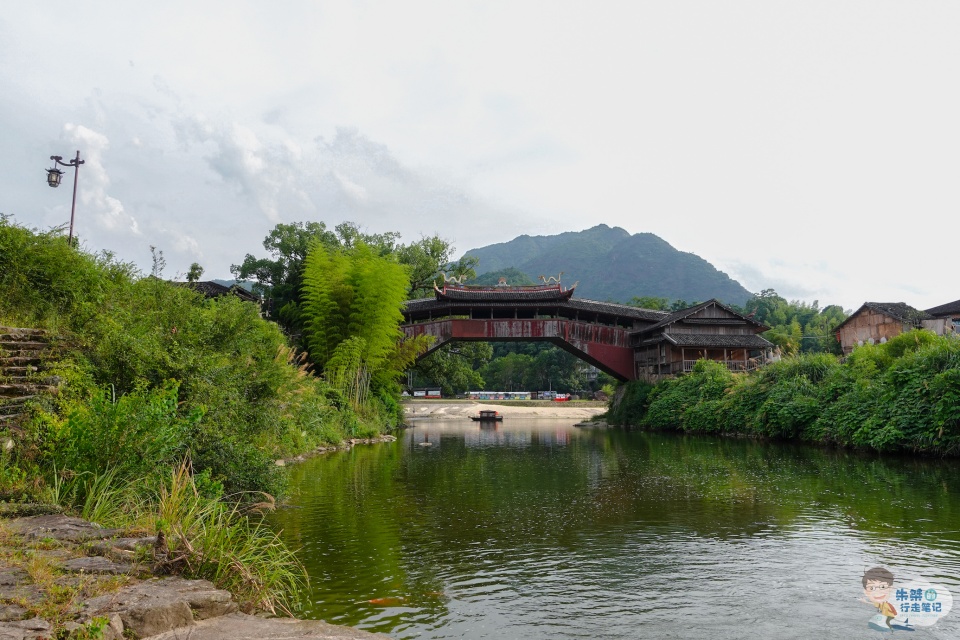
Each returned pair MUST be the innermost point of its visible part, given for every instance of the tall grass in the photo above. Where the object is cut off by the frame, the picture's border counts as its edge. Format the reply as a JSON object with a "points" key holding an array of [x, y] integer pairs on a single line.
{"points": [[222, 542]]}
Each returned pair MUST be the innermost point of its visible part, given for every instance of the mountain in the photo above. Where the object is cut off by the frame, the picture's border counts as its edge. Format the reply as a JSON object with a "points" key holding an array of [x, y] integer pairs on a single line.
{"points": [[613, 265]]}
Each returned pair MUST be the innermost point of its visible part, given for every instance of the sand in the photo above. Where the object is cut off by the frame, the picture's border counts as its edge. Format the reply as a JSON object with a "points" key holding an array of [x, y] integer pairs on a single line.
{"points": [[456, 410]]}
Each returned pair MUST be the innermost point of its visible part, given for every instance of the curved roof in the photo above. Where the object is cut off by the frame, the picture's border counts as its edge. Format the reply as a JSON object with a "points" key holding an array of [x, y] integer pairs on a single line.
{"points": [[426, 305], [513, 294]]}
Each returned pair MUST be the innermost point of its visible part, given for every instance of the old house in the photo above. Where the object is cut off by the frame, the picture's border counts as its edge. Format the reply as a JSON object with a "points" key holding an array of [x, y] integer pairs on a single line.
{"points": [[708, 330], [945, 318], [877, 322], [211, 289]]}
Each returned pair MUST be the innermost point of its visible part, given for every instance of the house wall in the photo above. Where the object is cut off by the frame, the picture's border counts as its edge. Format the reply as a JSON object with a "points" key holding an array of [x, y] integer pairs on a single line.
{"points": [[869, 325]]}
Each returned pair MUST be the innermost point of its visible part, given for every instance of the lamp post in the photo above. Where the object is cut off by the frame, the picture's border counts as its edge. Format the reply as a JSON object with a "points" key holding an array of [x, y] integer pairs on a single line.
{"points": [[53, 179]]}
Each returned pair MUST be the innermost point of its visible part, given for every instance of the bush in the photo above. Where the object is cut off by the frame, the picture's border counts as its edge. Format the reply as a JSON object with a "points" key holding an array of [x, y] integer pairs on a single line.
{"points": [[243, 398], [903, 395]]}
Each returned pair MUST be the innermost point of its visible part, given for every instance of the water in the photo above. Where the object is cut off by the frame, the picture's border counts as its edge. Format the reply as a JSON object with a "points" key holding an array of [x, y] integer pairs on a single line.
{"points": [[539, 529]]}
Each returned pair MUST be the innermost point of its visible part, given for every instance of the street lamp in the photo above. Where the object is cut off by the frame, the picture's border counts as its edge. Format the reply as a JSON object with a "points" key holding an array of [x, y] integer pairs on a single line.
{"points": [[53, 179]]}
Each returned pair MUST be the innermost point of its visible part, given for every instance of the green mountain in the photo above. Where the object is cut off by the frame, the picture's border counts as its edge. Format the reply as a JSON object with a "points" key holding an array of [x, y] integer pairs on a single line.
{"points": [[613, 265]]}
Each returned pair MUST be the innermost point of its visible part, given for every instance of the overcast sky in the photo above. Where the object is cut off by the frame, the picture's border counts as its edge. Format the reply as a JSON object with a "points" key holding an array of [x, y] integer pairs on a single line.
{"points": [[810, 147]]}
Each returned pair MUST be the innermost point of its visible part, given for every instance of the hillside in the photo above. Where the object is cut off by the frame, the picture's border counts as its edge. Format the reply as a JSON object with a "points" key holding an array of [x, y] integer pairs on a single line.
{"points": [[613, 265]]}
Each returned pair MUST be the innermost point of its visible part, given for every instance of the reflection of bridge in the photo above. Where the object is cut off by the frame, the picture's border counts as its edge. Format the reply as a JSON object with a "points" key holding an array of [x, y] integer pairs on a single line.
{"points": [[609, 336]]}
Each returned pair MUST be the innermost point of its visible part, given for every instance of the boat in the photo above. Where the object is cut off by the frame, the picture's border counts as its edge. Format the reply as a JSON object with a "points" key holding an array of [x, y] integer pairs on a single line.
{"points": [[487, 416]]}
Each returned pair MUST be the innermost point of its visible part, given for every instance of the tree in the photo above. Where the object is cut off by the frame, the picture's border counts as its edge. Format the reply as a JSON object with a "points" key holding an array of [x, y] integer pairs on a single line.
{"points": [[514, 277], [280, 276], [351, 318], [193, 275], [427, 259], [650, 302], [796, 327], [455, 367]]}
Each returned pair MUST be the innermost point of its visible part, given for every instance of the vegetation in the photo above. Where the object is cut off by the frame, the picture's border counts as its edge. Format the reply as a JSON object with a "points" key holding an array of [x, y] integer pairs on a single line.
{"points": [[150, 375], [351, 306], [903, 395], [796, 327]]}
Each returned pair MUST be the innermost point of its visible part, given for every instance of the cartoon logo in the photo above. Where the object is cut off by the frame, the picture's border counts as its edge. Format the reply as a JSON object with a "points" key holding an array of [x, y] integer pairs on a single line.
{"points": [[903, 607]]}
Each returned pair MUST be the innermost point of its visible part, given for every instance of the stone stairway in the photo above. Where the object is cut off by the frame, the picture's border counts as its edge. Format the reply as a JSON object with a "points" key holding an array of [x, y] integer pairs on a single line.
{"points": [[24, 354]]}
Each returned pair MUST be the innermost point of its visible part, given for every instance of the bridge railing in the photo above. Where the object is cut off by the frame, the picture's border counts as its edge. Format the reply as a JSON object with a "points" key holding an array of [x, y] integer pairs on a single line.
{"points": [[734, 365]]}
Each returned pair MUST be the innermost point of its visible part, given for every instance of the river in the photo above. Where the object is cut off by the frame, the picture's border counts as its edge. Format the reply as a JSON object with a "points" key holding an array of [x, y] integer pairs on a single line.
{"points": [[540, 529]]}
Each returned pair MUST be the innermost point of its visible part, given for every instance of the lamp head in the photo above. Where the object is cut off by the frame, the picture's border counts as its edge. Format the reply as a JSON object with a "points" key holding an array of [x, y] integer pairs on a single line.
{"points": [[53, 177]]}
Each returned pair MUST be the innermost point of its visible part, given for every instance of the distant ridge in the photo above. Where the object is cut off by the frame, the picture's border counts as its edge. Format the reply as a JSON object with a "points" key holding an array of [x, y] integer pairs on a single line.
{"points": [[613, 265]]}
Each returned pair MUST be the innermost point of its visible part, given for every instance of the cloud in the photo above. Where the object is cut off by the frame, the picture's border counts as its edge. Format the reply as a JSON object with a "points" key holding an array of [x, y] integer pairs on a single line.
{"points": [[108, 211]]}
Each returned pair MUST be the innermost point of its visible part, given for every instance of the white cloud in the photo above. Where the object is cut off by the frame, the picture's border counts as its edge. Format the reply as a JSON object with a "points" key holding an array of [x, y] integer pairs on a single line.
{"points": [[108, 210], [809, 148]]}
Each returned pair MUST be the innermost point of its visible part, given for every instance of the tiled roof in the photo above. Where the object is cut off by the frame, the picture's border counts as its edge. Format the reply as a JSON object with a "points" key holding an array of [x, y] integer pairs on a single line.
{"points": [[512, 294], [212, 289], [689, 311], [711, 340], [945, 309], [615, 309], [424, 305], [897, 310]]}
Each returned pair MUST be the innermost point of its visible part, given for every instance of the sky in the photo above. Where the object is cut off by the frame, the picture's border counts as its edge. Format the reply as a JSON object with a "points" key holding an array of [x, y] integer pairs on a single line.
{"points": [[809, 147]]}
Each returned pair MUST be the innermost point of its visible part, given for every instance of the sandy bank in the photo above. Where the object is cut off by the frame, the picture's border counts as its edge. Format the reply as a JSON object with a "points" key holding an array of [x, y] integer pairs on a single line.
{"points": [[461, 410]]}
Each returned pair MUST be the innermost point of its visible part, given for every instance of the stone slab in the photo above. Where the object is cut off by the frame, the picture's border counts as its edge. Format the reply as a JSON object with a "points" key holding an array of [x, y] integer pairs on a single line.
{"points": [[157, 605], [98, 564], [59, 527], [32, 629], [240, 626]]}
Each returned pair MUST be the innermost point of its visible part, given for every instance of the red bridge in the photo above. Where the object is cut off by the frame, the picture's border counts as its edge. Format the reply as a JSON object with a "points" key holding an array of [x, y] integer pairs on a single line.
{"points": [[615, 338]]}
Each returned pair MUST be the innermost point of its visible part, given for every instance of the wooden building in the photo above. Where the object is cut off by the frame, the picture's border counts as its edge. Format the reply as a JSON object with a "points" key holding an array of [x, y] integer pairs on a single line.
{"points": [[708, 330], [945, 318], [211, 289], [877, 322]]}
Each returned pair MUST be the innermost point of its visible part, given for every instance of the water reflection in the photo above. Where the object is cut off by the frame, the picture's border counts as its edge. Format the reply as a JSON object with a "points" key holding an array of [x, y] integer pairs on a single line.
{"points": [[539, 529]]}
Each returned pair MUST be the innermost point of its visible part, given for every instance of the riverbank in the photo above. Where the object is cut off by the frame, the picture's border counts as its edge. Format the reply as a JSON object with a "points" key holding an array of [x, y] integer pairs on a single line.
{"points": [[64, 577], [463, 409]]}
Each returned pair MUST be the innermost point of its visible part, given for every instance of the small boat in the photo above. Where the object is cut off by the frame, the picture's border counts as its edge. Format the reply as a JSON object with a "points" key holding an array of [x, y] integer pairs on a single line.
{"points": [[487, 416]]}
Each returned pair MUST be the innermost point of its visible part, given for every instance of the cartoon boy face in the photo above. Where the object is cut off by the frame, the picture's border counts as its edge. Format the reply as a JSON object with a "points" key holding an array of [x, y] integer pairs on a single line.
{"points": [[876, 591], [876, 585]]}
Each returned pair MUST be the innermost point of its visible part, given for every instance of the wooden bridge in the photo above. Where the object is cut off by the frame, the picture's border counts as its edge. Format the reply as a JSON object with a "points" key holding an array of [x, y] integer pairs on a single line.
{"points": [[615, 338]]}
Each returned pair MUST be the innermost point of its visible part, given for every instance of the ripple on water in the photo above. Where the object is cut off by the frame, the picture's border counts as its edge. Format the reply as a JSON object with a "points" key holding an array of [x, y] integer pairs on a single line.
{"points": [[559, 533]]}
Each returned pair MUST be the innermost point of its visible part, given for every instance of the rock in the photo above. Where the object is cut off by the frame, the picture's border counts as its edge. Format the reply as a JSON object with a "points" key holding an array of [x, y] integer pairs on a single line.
{"points": [[12, 612], [97, 564], [32, 629], [240, 626], [158, 605], [10, 576], [122, 549], [59, 527]]}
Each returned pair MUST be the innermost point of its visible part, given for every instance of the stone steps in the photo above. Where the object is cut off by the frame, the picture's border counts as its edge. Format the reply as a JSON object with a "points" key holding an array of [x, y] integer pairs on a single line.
{"points": [[24, 354]]}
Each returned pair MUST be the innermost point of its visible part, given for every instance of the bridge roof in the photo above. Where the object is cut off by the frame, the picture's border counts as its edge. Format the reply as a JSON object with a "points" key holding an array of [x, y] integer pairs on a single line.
{"points": [[427, 305], [504, 294]]}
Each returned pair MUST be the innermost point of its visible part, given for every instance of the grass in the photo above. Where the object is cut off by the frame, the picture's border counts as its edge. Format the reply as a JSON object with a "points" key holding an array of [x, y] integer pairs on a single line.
{"points": [[223, 543]]}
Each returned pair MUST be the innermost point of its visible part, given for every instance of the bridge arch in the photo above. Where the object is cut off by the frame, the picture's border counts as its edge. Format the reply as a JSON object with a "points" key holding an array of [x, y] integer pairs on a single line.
{"points": [[596, 332]]}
